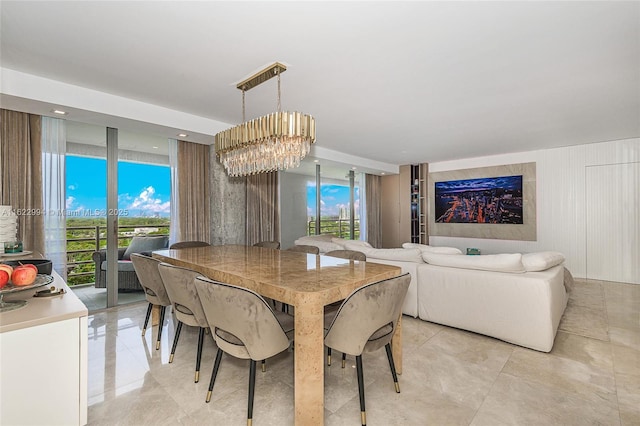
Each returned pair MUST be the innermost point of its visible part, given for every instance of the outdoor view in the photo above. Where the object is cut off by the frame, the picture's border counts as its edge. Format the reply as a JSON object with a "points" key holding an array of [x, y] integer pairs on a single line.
{"points": [[143, 202], [334, 209]]}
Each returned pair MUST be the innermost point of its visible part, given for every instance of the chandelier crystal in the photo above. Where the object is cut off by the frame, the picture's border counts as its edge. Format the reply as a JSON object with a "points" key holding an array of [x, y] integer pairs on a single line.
{"points": [[276, 141]]}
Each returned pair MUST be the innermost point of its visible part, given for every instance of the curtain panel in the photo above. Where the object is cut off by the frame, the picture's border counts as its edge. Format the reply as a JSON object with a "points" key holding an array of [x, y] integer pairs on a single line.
{"points": [[263, 208], [21, 174], [373, 185], [194, 212], [54, 150], [174, 226]]}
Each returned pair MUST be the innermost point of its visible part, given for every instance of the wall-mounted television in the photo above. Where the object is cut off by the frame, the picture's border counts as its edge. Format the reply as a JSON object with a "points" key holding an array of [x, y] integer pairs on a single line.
{"points": [[491, 200]]}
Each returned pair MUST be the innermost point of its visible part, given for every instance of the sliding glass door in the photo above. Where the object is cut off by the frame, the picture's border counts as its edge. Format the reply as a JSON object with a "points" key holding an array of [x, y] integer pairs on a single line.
{"points": [[118, 187]]}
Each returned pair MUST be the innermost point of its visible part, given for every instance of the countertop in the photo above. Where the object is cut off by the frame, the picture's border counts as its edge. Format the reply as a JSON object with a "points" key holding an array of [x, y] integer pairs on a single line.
{"points": [[45, 310]]}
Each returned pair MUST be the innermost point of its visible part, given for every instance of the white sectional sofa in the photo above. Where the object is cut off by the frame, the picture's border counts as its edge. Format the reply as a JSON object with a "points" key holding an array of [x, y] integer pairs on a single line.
{"points": [[516, 298]]}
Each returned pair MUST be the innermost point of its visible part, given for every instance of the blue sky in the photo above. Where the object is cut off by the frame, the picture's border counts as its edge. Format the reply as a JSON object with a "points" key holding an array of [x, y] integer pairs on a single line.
{"points": [[143, 189], [332, 199]]}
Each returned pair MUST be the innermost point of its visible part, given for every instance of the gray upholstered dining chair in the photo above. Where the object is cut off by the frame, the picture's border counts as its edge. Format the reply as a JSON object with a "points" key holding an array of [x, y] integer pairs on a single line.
{"points": [[268, 244], [366, 321], [243, 325], [149, 276], [304, 249], [186, 305], [188, 244], [330, 309], [347, 254]]}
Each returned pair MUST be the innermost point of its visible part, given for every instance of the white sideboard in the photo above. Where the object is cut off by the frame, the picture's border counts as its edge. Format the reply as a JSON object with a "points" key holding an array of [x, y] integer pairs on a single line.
{"points": [[43, 361]]}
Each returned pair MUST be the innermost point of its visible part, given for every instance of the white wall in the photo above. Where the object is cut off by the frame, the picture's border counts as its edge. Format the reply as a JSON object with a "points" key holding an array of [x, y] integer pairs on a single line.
{"points": [[562, 202]]}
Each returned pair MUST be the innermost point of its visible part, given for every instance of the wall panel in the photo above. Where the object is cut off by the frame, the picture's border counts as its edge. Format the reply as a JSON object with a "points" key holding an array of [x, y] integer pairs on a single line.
{"points": [[561, 199], [613, 222]]}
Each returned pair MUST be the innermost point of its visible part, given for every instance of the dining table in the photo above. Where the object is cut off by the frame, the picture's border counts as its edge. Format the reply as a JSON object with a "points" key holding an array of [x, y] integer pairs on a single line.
{"points": [[308, 283]]}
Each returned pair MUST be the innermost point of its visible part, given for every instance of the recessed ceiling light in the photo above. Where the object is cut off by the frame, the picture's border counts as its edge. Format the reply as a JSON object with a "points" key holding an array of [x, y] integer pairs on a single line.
{"points": [[353, 168], [155, 147], [383, 173], [59, 111], [182, 135], [316, 161]]}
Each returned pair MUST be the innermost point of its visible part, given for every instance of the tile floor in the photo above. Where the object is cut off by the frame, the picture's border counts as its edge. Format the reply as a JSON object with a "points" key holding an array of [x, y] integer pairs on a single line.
{"points": [[451, 377], [95, 299]]}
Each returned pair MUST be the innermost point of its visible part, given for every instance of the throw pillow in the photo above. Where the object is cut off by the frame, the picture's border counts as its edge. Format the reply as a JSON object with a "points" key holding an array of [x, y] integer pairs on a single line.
{"points": [[432, 249], [487, 262], [541, 261], [145, 244]]}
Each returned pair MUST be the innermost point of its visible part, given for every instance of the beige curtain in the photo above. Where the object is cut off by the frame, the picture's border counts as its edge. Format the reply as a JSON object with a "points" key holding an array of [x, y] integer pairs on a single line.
{"points": [[194, 213], [21, 174], [263, 208], [372, 193]]}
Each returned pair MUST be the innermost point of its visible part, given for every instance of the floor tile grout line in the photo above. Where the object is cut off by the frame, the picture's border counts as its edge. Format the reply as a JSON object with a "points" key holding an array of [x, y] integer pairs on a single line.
{"points": [[475, 414]]}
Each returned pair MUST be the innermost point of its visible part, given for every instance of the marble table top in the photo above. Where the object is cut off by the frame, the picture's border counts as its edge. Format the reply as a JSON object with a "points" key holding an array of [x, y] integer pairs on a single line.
{"points": [[279, 274]]}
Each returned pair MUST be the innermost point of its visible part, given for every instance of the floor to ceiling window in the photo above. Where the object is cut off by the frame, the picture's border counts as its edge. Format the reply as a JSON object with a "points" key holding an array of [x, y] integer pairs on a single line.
{"points": [[143, 201], [335, 208], [298, 211]]}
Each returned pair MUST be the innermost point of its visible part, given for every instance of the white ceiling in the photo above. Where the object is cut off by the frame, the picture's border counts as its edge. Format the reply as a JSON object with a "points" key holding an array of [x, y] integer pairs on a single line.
{"points": [[389, 82]]}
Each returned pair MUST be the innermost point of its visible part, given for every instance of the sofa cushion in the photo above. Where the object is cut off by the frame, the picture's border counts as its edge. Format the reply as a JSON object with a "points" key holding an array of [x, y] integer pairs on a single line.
{"points": [[321, 237], [145, 244], [123, 266], [511, 262], [322, 244], [400, 254], [352, 244], [432, 249], [541, 261]]}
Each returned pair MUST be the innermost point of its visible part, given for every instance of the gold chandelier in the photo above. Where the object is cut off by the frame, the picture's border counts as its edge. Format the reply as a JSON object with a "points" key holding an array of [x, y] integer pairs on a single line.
{"points": [[276, 141]]}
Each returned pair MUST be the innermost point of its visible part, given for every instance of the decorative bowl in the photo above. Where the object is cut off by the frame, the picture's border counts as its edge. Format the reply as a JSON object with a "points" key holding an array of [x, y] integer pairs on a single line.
{"points": [[44, 265]]}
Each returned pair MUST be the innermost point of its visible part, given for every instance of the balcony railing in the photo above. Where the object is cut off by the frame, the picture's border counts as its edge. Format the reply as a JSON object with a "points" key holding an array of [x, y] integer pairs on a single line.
{"points": [[82, 241], [80, 265], [338, 227]]}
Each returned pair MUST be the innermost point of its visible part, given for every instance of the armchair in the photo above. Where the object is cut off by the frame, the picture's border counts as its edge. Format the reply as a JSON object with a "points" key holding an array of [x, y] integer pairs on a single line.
{"points": [[127, 278]]}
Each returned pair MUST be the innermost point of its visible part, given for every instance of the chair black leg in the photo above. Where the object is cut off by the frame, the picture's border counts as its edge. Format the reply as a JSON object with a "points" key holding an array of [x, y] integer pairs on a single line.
{"points": [[363, 413], [329, 356], [344, 359], [252, 388], [175, 341], [393, 367], [199, 354], [146, 319], [214, 373], [162, 311]]}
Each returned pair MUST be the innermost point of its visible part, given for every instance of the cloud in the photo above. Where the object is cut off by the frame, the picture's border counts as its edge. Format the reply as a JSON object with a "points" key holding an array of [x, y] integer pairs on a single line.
{"points": [[72, 187], [70, 204], [146, 201]]}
